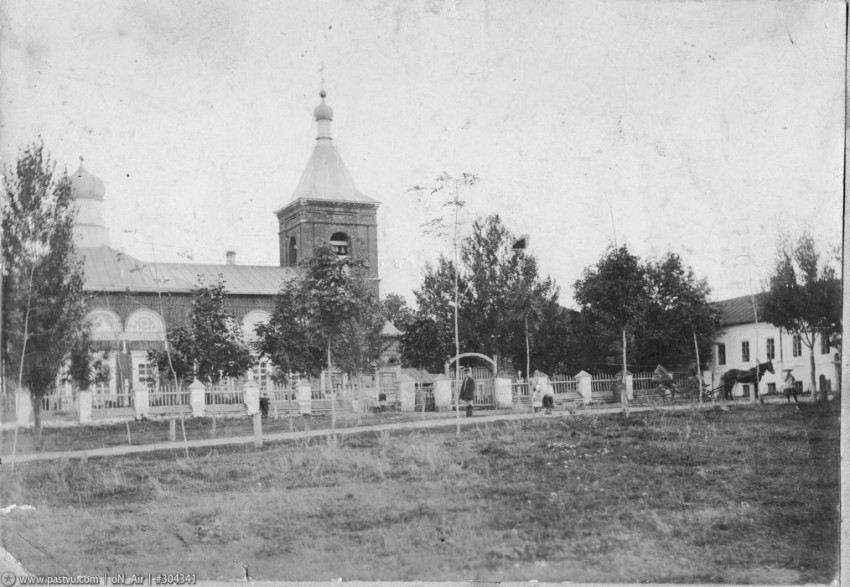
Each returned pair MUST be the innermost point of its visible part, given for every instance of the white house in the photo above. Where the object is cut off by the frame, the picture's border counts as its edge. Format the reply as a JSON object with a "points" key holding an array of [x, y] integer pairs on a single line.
{"points": [[742, 343]]}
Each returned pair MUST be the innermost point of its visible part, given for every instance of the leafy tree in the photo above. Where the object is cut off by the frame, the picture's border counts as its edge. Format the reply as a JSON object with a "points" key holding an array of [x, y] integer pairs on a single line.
{"points": [[360, 344], [396, 310], [85, 367], [678, 309], [501, 298], [211, 346], [286, 338], [435, 304], [43, 298], [329, 318], [803, 295], [616, 291], [426, 344], [509, 298]]}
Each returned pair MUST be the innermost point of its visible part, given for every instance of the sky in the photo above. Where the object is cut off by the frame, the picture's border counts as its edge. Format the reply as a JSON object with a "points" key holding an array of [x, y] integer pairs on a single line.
{"points": [[703, 128]]}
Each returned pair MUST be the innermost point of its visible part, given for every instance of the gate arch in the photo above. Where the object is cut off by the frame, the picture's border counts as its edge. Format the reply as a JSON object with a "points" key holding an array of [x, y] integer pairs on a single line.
{"points": [[457, 359]]}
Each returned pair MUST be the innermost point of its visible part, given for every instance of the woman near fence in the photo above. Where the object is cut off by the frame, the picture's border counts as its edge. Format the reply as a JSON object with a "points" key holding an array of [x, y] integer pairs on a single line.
{"points": [[544, 388]]}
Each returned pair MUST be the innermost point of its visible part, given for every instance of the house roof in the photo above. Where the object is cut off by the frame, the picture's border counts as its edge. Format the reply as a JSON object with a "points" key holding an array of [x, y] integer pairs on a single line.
{"points": [[109, 270], [737, 310], [390, 329], [422, 377]]}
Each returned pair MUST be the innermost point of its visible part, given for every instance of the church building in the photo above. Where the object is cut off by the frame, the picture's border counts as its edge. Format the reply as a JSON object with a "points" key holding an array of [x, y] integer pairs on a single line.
{"points": [[132, 301]]}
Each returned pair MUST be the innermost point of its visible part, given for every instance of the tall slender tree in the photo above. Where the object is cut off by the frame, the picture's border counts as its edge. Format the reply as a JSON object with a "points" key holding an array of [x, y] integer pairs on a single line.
{"points": [[43, 297], [449, 189]]}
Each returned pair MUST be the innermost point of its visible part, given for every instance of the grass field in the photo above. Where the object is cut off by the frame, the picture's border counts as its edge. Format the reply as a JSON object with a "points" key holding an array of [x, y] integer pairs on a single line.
{"points": [[747, 495], [155, 430]]}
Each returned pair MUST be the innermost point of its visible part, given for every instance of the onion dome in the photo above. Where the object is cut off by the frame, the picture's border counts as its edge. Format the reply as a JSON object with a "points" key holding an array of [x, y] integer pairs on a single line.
{"points": [[85, 186], [323, 111]]}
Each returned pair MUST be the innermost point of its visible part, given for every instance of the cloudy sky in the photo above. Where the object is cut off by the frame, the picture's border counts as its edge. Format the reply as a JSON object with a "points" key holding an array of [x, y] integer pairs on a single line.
{"points": [[705, 128]]}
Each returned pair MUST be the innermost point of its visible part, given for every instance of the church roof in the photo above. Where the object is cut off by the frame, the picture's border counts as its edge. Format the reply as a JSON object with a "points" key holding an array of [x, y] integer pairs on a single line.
{"points": [[109, 270], [326, 177]]}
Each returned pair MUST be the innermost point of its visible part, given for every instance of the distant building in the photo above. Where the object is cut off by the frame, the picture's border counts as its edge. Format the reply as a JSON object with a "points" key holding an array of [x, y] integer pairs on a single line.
{"points": [[132, 301], [738, 347]]}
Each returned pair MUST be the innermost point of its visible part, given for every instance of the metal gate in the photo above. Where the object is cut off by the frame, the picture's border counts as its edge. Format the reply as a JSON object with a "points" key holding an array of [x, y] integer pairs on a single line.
{"points": [[485, 392]]}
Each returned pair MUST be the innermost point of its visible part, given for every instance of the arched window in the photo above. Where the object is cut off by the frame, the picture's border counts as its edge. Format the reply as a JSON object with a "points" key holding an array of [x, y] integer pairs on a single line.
{"points": [[250, 322], [293, 252], [105, 325], [340, 244], [146, 325]]}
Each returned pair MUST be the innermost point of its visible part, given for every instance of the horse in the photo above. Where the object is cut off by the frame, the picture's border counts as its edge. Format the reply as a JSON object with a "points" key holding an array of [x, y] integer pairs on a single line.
{"points": [[733, 376]]}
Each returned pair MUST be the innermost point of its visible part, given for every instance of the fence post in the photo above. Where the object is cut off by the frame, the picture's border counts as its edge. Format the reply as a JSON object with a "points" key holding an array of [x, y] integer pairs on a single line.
{"points": [[630, 386], [197, 391], [142, 401], [84, 397], [504, 391], [584, 386], [442, 394], [251, 393], [407, 393], [304, 396], [23, 408], [258, 428]]}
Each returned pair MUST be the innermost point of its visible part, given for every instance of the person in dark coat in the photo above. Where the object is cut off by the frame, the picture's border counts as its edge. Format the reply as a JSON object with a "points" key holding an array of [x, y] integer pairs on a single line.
{"points": [[467, 391]]}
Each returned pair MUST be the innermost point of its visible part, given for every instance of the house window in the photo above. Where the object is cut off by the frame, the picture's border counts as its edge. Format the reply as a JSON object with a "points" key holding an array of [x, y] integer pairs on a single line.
{"points": [[340, 244], [745, 351], [824, 344], [771, 388], [796, 346], [771, 349], [721, 354], [746, 390]]}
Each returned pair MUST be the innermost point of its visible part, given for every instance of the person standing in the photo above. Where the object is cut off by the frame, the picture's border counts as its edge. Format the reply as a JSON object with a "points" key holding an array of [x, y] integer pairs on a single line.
{"points": [[545, 389], [467, 391]]}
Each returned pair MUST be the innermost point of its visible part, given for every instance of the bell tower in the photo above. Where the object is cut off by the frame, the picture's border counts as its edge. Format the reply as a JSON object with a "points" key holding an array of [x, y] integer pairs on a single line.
{"points": [[326, 207]]}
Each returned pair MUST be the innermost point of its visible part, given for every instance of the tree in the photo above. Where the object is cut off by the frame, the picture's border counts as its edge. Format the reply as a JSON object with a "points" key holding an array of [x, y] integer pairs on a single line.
{"points": [[508, 295], [803, 295], [502, 298], [331, 317], [43, 298], [286, 339], [678, 310], [426, 344], [211, 346], [435, 318], [396, 310], [85, 367], [615, 290], [451, 227]]}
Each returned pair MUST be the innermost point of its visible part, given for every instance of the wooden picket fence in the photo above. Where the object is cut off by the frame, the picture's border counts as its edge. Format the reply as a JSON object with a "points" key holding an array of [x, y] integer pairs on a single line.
{"points": [[169, 399]]}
